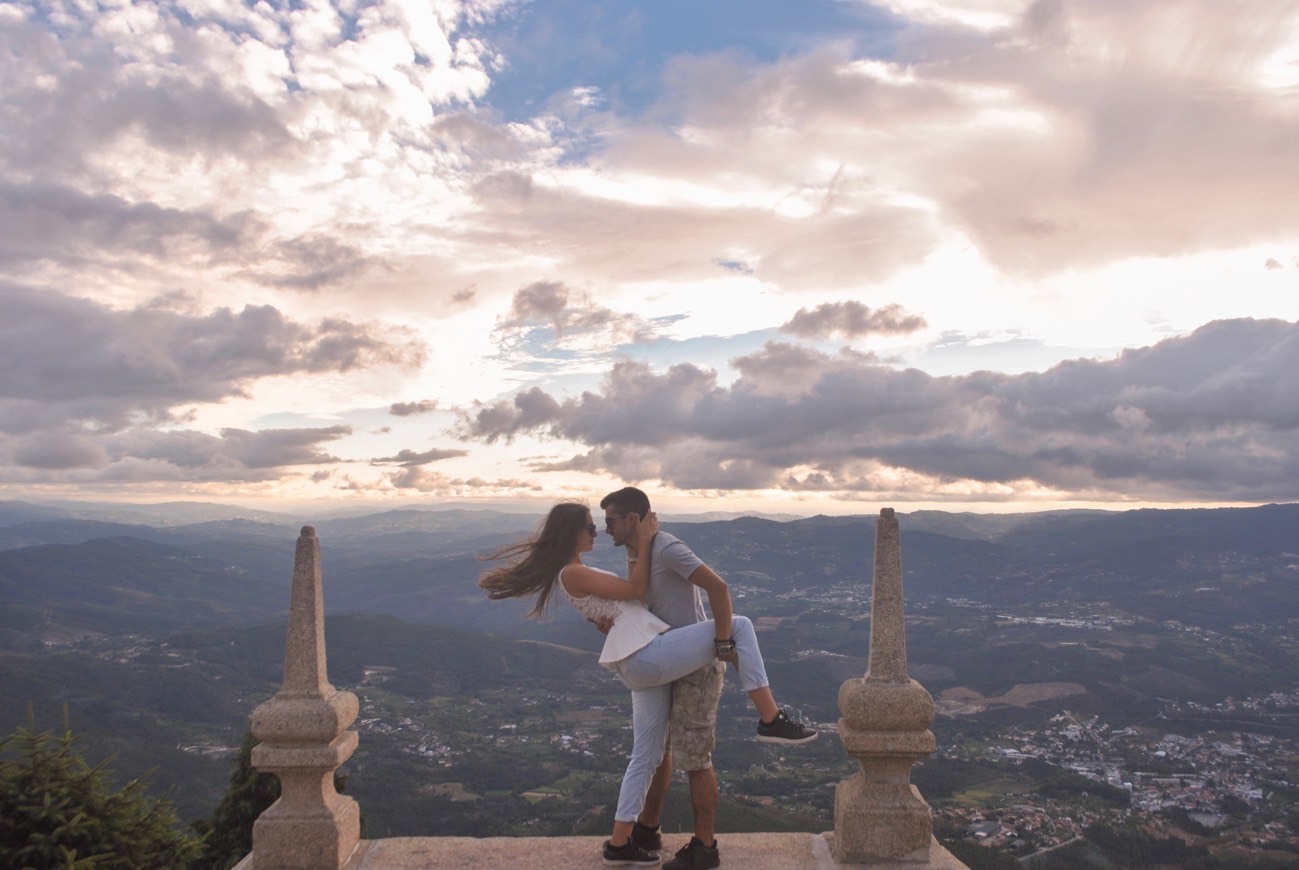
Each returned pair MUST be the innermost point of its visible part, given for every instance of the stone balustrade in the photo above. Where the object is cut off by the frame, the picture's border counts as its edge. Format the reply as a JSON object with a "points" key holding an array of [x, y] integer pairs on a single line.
{"points": [[881, 820]]}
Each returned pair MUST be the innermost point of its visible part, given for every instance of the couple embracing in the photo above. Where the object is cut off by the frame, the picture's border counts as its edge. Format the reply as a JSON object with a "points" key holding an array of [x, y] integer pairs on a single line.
{"points": [[661, 645]]}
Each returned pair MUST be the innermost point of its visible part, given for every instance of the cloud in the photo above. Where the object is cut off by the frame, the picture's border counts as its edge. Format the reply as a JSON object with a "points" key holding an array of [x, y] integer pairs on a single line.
{"points": [[1100, 103], [789, 370], [65, 358], [529, 410], [429, 482], [1107, 109], [59, 224], [266, 449], [72, 99], [45, 221], [409, 409], [549, 314], [1213, 414], [186, 191], [411, 459], [311, 262], [59, 450], [852, 320], [138, 455]]}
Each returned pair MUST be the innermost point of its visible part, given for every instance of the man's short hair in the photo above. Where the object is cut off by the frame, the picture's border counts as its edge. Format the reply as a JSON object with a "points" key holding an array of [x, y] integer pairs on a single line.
{"points": [[627, 500]]}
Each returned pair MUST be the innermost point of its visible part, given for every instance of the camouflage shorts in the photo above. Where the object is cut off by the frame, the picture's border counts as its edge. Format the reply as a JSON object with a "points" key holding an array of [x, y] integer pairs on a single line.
{"points": [[693, 731]]}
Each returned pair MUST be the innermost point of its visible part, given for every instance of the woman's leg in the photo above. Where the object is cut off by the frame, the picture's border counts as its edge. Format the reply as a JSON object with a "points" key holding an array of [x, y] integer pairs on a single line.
{"points": [[681, 651], [649, 724]]}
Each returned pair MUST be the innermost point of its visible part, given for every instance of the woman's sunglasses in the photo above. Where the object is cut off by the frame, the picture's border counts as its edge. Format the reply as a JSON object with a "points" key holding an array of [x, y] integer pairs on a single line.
{"points": [[590, 527]]}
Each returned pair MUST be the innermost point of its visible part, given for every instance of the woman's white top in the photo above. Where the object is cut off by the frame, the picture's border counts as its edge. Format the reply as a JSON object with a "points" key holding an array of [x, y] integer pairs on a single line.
{"points": [[633, 625]]}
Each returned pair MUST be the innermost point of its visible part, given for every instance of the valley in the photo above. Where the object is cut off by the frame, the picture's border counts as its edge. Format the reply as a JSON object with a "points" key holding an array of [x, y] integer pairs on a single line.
{"points": [[1076, 684]]}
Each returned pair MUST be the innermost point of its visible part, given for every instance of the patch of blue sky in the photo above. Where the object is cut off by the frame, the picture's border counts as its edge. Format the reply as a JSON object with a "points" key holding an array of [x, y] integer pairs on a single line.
{"points": [[735, 266], [709, 352], [621, 48], [535, 350], [957, 354]]}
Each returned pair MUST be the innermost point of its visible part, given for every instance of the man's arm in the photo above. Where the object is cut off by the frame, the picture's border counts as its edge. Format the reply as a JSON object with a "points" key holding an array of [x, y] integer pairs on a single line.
{"points": [[719, 600]]}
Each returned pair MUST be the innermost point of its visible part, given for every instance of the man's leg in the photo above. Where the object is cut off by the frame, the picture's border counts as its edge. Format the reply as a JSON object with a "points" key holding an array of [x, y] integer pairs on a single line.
{"points": [[703, 797], [652, 815], [693, 734]]}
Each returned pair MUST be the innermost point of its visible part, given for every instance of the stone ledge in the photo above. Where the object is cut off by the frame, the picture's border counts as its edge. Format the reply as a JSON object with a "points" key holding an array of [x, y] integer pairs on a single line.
{"points": [[767, 851]]}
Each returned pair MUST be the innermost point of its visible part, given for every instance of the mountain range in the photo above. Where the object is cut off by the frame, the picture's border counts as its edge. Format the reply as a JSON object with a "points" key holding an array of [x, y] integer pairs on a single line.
{"points": [[160, 628]]}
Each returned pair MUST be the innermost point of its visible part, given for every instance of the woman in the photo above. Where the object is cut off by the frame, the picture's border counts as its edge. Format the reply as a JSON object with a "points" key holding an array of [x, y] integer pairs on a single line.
{"points": [[639, 646]]}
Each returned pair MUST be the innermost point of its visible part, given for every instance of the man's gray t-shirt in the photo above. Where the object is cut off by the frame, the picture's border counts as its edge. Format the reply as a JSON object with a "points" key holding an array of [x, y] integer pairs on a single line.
{"points": [[671, 596]]}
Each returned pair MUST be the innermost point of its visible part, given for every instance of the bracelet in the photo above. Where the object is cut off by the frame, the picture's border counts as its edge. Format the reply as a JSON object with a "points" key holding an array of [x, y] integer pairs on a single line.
{"points": [[724, 645], [631, 560]]}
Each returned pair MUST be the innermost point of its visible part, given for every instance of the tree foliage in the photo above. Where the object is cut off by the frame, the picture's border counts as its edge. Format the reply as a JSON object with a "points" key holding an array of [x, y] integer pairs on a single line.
{"points": [[58, 811], [229, 831]]}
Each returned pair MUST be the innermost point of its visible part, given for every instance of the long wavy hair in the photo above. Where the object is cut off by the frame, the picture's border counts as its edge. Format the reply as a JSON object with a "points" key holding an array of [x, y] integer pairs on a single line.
{"points": [[537, 561]]}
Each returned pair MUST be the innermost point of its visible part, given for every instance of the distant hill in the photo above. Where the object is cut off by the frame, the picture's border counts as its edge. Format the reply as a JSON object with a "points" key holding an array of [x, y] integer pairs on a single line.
{"points": [[206, 682], [159, 638], [95, 576], [128, 585]]}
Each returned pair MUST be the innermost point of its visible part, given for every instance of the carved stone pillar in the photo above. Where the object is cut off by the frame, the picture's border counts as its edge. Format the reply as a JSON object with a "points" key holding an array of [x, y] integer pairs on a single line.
{"points": [[304, 737], [879, 816]]}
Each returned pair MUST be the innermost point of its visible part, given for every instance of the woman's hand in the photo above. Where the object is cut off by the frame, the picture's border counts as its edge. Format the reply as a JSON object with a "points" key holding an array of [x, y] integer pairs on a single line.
{"points": [[646, 529]]}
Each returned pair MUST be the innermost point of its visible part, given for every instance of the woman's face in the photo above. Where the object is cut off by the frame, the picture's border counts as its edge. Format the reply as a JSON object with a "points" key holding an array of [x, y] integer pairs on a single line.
{"points": [[586, 536]]}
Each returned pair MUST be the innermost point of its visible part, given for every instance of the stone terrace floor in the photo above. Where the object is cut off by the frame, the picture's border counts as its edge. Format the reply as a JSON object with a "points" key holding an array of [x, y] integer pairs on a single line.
{"points": [[752, 851]]}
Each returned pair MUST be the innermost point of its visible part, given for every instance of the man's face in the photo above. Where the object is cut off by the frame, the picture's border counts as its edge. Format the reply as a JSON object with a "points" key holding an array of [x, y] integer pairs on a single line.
{"points": [[617, 525]]}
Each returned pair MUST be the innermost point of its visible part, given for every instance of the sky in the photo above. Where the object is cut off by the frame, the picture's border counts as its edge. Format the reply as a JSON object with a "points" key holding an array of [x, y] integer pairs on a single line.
{"points": [[792, 258]]}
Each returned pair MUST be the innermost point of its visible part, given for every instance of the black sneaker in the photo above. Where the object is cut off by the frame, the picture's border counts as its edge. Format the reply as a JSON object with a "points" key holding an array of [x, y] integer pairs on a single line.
{"points": [[784, 730], [646, 837], [695, 854], [628, 855]]}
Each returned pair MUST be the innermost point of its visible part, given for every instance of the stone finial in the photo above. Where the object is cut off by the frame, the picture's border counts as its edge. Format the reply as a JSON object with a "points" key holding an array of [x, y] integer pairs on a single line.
{"points": [[304, 737], [879, 817], [888, 646], [304, 651]]}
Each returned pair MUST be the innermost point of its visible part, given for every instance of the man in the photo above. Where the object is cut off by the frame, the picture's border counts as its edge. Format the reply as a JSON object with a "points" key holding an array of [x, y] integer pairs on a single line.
{"points": [[677, 576]]}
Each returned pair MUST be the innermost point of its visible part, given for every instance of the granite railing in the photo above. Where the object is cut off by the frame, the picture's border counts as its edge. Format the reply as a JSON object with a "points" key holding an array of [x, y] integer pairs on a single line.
{"points": [[880, 818]]}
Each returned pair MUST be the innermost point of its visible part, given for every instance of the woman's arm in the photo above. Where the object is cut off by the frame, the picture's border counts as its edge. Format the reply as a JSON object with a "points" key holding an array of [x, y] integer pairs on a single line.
{"points": [[639, 575], [583, 580]]}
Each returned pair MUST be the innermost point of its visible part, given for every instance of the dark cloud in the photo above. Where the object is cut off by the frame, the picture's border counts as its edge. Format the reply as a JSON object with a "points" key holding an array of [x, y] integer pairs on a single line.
{"points": [[543, 302], [64, 358], [410, 409], [183, 117], [1211, 414], [852, 320], [529, 410], [268, 448], [272, 448], [549, 317], [45, 221], [135, 455], [69, 97], [411, 459], [63, 225], [59, 450], [311, 262], [423, 480]]}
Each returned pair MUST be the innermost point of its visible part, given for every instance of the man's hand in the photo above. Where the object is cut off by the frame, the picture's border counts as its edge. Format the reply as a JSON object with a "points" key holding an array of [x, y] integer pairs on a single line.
{"points": [[602, 625], [726, 651]]}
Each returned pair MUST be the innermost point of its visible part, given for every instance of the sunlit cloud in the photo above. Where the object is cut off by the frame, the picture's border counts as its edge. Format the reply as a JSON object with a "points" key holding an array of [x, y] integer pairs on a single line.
{"points": [[955, 251]]}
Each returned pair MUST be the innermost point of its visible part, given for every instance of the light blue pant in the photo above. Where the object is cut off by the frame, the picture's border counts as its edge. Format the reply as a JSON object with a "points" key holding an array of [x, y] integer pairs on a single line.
{"points": [[649, 673]]}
